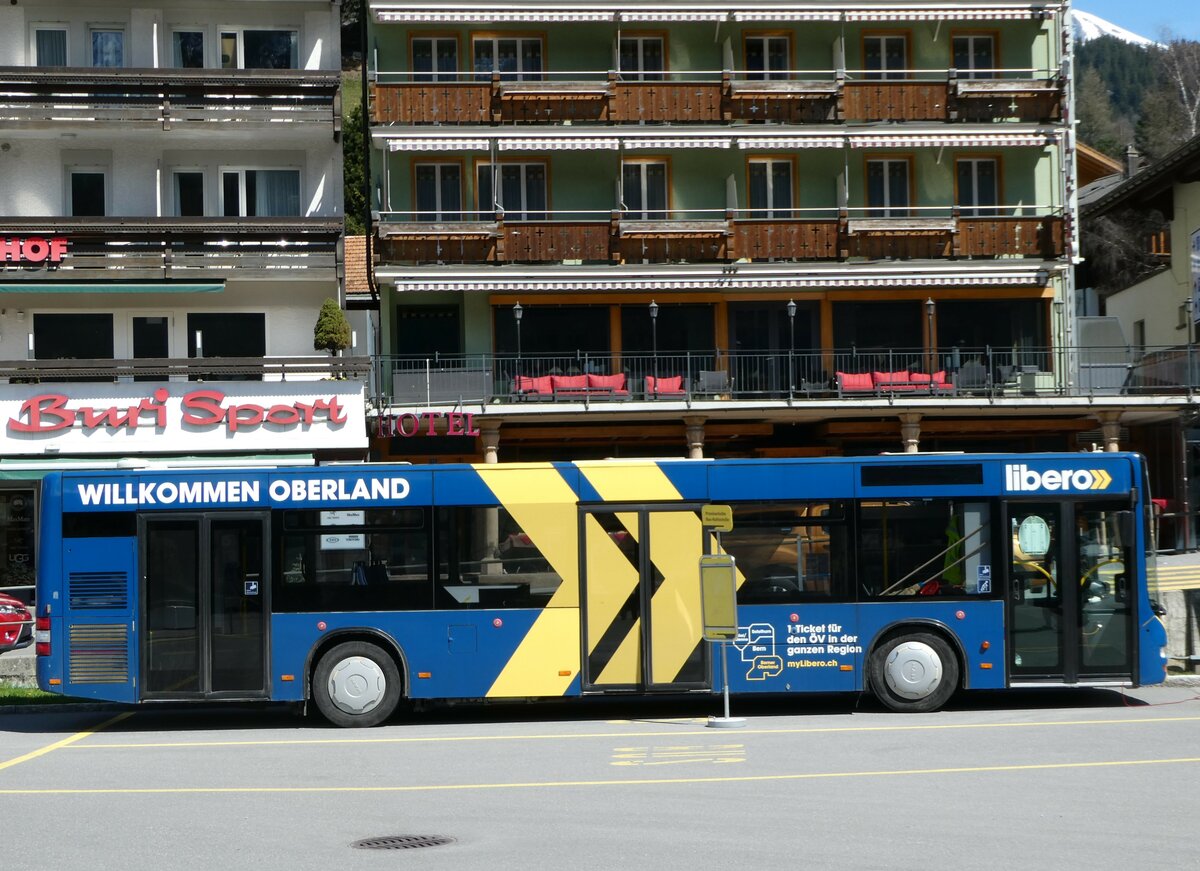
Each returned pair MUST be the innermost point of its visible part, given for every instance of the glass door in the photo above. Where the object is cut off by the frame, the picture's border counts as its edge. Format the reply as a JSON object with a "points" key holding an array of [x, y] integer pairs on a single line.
{"points": [[203, 606], [642, 622], [1070, 577], [150, 339]]}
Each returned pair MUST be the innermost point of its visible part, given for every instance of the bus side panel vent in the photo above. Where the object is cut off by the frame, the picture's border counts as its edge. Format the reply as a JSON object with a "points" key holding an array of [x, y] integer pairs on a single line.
{"points": [[98, 591], [99, 653]]}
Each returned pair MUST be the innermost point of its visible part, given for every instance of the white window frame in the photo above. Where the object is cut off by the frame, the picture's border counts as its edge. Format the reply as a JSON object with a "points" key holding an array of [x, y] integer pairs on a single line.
{"points": [[240, 32], [770, 210], [222, 171], [521, 212], [174, 192], [971, 71], [641, 73], [765, 39], [107, 28], [49, 25], [884, 71], [194, 28], [887, 209], [975, 209], [645, 212], [91, 169], [438, 213], [434, 75], [520, 73]]}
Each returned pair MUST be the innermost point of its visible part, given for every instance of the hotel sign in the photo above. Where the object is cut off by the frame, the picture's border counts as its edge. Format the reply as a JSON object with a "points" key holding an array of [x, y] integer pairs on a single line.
{"points": [[186, 416], [33, 249]]}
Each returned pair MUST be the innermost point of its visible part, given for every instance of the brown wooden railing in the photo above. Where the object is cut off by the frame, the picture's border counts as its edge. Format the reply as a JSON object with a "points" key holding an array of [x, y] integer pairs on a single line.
{"points": [[724, 239], [713, 98]]}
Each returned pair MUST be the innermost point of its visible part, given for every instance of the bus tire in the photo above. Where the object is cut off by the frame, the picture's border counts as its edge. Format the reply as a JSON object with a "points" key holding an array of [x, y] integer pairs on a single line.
{"points": [[913, 673], [356, 684]]}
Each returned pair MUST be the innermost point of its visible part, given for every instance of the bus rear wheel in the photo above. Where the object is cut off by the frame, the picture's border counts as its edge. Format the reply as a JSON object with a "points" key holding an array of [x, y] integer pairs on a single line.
{"points": [[356, 684], [913, 673]]}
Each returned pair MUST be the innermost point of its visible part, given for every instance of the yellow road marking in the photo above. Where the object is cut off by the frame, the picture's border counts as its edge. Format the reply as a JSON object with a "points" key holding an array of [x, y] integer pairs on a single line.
{"points": [[657, 781], [558, 736], [78, 736]]}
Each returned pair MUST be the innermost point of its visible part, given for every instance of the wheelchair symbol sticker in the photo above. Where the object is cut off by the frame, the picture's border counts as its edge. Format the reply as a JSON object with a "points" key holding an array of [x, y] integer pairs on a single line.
{"points": [[985, 579]]}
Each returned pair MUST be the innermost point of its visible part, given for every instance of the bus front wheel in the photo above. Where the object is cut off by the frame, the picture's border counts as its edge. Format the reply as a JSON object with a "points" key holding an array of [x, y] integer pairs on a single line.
{"points": [[356, 684], [913, 673]]}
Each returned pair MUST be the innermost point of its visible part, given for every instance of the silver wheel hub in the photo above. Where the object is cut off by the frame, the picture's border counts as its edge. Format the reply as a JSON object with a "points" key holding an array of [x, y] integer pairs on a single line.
{"points": [[913, 670], [356, 685]]}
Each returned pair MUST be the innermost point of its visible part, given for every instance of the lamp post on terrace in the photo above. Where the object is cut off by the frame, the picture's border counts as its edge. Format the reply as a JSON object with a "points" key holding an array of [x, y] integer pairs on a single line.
{"points": [[929, 306], [1189, 309], [791, 313], [654, 338], [517, 312]]}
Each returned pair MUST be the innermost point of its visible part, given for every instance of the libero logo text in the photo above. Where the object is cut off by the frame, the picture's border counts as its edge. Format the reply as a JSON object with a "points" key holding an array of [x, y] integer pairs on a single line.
{"points": [[1019, 478]]}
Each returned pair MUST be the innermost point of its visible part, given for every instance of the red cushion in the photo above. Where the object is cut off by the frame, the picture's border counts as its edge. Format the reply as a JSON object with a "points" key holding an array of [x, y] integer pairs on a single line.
{"points": [[940, 378], [673, 384], [607, 382], [569, 382], [529, 384], [920, 378], [900, 377], [856, 380]]}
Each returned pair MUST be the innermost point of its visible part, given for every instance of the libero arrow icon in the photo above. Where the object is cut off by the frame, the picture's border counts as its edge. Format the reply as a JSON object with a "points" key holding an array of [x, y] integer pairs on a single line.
{"points": [[1102, 479]]}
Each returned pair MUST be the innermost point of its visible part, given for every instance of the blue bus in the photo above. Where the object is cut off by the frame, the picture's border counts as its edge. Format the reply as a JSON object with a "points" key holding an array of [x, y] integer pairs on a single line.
{"points": [[359, 586]]}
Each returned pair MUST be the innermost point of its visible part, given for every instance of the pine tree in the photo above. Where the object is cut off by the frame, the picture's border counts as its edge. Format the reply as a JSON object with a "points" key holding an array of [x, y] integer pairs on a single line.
{"points": [[1097, 126], [332, 332], [353, 172]]}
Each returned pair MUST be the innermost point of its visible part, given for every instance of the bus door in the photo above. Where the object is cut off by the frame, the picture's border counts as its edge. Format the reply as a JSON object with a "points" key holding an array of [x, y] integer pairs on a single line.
{"points": [[204, 605], [1071, 582], [641, 602]]}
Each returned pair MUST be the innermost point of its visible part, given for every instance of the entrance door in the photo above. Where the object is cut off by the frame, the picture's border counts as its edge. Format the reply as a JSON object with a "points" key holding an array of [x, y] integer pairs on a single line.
{"points": [[642, 621], [1070, 605], [204, 606]]}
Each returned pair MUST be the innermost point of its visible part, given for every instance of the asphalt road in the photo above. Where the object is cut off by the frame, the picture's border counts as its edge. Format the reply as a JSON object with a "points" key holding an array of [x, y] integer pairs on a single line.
{"points": [[1030, 780]]}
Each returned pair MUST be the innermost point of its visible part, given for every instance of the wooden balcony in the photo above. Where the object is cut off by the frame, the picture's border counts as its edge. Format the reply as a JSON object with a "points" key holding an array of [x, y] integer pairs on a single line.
{"points": [[720, 239], [714, 98], [40, 97], [100, 249]]}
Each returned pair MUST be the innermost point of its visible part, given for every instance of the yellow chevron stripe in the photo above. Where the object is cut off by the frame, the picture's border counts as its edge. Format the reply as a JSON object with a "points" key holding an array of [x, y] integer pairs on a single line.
{"points": [[542, 503], [676, 623], [629, 482], [611, 578], [625, 665]]}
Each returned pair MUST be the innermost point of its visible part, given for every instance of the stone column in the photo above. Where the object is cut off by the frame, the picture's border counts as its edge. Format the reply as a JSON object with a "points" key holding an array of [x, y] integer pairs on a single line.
{"points": [[1110, 428], [910, 432], [695, 437], [489, 432]]}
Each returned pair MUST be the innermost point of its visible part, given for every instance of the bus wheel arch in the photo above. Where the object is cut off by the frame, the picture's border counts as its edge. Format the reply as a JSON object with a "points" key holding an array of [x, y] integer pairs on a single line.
{"points": [[357, 678], [915, 667]]}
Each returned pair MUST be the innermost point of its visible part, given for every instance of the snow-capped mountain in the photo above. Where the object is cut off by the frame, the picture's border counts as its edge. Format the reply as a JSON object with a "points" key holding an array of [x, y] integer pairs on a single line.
{"points": [[1089, 26]]}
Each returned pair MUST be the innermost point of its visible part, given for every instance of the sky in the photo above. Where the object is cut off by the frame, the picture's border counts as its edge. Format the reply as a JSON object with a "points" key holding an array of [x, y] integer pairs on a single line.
{"points": [[1149, 17]]}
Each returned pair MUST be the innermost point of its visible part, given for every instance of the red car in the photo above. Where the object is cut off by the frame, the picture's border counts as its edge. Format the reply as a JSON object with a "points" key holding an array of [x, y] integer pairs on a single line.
{"points": [[16, 624]]}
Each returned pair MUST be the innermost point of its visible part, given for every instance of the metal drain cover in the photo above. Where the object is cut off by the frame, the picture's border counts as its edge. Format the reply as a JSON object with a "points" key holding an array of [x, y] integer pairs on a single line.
{"points": [[402, 842]]}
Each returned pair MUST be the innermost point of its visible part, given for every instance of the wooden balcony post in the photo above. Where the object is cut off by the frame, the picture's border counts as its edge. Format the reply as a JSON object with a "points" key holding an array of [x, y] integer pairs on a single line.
{"points": [[494, 104], [614, 236], [726, 96], [840, 109], [843, 234], [955, 239]]}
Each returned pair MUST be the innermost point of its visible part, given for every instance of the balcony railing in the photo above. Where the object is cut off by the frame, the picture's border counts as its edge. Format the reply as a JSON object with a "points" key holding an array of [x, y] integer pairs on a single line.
{"points": [[708, 97], [185, 368], [723, 235], [756, 376], [42, 96], [119, 248]]}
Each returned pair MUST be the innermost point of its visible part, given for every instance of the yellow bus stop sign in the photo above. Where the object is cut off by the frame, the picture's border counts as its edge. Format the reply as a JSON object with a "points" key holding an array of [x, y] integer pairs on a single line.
{"points": [[718, 517], [718, 596]]}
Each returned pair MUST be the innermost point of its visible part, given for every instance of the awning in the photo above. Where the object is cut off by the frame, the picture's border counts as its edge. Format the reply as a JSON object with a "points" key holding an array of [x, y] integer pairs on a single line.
{"points": [[691, 142], [790, 142], [1027, 278], [107, 287], [442, 143], [681, 15], [976, 14], [560, 143], [787, 15], [951, 140], [530, 15]]}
